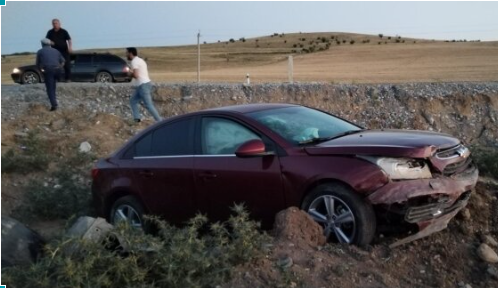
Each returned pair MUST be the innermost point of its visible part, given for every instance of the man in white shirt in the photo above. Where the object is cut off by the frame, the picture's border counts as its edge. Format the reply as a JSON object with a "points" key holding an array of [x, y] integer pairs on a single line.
{"points": [[143, 85]]}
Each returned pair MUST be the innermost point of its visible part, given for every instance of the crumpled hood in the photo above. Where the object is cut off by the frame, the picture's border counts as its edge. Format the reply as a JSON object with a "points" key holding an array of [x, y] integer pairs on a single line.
{"points": [[391, 143]]}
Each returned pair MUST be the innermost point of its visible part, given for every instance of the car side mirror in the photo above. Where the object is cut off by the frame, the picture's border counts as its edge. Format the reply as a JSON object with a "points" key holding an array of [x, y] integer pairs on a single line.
{"points": [[252, 148]]}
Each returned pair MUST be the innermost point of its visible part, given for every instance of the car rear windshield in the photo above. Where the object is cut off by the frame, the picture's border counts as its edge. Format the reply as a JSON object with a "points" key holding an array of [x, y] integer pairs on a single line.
{"points": [[300, 125]]}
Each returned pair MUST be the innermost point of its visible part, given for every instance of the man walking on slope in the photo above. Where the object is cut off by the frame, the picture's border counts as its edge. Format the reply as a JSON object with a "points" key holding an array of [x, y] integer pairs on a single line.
{"points": [[143, 85], [50, 61]]}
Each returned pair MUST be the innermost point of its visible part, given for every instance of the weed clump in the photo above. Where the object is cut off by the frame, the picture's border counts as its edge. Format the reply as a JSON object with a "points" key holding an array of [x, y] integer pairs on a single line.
{"points": [[65, 192], [32, 155], [192, 256], [486, 159]]}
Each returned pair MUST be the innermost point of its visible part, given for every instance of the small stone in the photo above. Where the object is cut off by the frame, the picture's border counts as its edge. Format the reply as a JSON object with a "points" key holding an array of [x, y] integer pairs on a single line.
{"points": [[467, 286], [493, 271], [488, 239], [85, 147], [466, 214], [20, 134], [487, 254], [285, 262]]}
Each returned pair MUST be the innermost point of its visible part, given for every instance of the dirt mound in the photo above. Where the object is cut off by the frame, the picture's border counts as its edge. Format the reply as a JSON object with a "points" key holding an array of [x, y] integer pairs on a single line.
{"points": [[296, 226]]}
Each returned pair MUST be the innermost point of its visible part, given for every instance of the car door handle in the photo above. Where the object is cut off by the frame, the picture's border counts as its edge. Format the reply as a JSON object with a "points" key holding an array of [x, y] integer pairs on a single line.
{"points": [[207, 176], [146, 173]]}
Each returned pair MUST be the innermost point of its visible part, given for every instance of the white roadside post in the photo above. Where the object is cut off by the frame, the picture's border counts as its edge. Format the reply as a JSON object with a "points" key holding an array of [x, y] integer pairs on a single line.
{"points": [[290, 69], [248, 79]]}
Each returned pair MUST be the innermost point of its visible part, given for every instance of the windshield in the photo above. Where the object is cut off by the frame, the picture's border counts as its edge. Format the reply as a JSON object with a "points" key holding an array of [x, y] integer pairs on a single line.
{"points": [[301, 125]]}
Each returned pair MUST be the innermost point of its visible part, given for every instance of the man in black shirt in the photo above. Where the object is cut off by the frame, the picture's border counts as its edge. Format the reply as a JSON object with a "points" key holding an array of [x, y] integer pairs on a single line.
{"points": [[62, 42]]}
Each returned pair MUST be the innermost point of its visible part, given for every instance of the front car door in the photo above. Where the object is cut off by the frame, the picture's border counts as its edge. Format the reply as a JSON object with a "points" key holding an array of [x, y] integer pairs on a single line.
{"points": [[222, 179], [163, 170]]}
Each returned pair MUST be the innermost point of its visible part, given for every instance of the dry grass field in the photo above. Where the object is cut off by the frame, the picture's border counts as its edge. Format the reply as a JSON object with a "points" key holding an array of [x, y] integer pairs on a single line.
{"points": [[370, 59]]}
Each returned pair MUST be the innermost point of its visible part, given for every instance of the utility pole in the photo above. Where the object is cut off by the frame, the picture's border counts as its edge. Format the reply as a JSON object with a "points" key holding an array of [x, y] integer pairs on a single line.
{"points": [[198, 57]]}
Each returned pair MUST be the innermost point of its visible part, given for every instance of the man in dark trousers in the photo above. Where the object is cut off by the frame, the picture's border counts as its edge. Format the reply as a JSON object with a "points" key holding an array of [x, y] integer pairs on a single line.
{"points": [[50, 61], [62, 42]]}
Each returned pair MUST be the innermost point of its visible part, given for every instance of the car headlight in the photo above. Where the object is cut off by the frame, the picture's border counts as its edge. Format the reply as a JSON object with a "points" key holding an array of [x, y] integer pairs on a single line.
{"points": [[16, 71], [402, 168]]}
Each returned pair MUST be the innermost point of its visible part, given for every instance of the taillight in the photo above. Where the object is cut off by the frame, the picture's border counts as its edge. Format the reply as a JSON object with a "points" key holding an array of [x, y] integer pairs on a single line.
{"points": [[95, 172], [126, 69]]}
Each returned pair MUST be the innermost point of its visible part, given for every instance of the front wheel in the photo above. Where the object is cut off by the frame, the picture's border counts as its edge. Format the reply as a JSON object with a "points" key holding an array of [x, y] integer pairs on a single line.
{"points": [[30, 77], [344, 216], [103, 77], [127, 209]]}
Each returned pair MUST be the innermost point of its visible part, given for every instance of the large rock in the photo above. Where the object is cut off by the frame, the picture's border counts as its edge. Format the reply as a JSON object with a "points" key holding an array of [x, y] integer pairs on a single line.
{"points": [[487, 254], [20, 245], [295, 225], [94, 229]]}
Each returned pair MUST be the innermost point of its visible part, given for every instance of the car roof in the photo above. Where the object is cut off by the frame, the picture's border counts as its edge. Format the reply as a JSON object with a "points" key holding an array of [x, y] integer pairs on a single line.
{"points": [[93, 53], [248, 108]]}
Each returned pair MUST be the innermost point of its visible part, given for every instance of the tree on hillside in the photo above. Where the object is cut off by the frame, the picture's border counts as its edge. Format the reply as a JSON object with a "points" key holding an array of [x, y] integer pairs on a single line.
{"points": [[381, 35]]}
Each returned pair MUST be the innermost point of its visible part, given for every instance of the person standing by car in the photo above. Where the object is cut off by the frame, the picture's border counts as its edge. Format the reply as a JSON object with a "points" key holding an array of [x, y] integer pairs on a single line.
{"points": [[143, 85], [50, 62], [61, 41]]}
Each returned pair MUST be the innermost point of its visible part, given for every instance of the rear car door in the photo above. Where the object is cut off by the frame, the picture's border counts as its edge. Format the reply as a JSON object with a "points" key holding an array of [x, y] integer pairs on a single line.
{"points": [[82, 68], [112, 64], [223, 179], [163, 170]]}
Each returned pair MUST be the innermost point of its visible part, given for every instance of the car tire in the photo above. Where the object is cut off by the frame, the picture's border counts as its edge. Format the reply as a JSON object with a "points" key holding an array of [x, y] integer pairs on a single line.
{"points": [[127, 209], [103, 77], [343, 214], [30, 77]]}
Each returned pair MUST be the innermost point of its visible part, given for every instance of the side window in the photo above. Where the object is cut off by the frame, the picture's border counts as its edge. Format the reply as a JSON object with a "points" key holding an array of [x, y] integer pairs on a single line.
{"points": [[222, 136], [108, 59], [83, 59], [168, 140]]}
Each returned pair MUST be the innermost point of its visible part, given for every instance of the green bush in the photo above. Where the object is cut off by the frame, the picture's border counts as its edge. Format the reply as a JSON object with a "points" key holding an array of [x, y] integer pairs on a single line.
{"points": [[486, 159], [32, 155], [67, 191], [179, 257]]}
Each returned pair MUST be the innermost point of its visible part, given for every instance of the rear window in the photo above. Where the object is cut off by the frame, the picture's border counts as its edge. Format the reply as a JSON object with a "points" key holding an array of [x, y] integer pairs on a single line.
{"points": [[168, 140], [108, 59]]}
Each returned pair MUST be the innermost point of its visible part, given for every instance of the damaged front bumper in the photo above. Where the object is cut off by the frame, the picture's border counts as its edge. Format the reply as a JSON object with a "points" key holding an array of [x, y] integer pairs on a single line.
{"points": [[443, 198]]}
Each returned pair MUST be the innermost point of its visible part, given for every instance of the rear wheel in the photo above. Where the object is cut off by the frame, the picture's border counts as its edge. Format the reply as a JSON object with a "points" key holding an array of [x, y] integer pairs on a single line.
{"points": [[127, 209], [30, 77], [344, 216], [103, 77]]}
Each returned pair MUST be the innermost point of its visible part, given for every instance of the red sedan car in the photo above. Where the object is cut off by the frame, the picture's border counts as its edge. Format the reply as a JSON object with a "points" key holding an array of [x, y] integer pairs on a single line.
{"points": [[273, 156]]}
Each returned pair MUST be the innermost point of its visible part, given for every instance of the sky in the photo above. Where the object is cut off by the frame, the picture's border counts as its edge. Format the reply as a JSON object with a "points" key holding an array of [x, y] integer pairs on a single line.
{"points": [[142, 24]]}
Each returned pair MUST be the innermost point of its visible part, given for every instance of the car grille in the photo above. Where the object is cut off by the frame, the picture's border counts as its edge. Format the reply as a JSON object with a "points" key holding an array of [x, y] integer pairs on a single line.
{"points": [[449, 153], [434, 210], [456, 167], [452, 154]]}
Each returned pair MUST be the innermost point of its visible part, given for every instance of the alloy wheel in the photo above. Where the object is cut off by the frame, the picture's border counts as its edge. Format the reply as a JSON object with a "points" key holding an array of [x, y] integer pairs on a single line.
{"points": [[335, 216], [126, 213]]}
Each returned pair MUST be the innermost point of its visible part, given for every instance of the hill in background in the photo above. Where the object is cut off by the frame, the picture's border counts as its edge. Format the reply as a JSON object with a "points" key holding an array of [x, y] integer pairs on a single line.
{"points": [[326, 57]]}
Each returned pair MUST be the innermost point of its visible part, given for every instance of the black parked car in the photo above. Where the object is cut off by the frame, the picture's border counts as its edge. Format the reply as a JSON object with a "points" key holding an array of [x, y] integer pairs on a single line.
{"points": [[85, 67]]}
